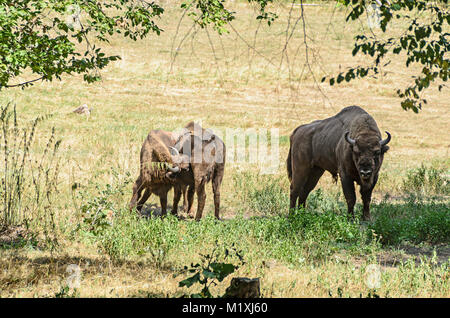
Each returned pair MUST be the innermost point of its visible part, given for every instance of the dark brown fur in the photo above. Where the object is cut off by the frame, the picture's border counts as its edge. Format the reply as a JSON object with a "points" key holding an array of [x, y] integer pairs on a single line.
{"points": [[207, 163], [321, 145], [153, 175]]}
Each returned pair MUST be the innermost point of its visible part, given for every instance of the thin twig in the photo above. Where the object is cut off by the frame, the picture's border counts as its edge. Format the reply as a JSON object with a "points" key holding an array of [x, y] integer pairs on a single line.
{"points": [[25, 83]]}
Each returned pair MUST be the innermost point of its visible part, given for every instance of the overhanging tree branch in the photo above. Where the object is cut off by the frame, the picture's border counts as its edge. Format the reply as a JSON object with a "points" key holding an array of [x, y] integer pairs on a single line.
{"points": [[424, 42], [25, 84]]}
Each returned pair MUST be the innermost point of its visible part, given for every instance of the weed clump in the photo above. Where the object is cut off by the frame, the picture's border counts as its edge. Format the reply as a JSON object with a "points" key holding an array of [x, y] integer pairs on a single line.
{"points": [[424, 181], [29, 176]]}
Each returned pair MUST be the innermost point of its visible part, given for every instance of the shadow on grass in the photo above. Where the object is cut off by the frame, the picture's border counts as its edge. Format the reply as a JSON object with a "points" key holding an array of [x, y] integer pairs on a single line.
{"points": [[26, 271], [405, 252], [13, 237], [153, 210]]}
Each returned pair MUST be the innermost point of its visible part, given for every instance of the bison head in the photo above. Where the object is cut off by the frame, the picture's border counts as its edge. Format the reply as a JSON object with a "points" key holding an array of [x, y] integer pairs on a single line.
{"points": [[367, 153], [180, 163], [199, 149]]}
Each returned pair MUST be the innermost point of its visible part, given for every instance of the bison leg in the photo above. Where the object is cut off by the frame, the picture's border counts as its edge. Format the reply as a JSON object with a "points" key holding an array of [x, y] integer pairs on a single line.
{"points": [[176, 199], [190, 201], [302, 184], [297, 185], [185, 200], [216, 182], [137, 190], [348, 187], [163, 201], [144, 198], [313, 177], [366, 196], [293, 196], [201, 199]]}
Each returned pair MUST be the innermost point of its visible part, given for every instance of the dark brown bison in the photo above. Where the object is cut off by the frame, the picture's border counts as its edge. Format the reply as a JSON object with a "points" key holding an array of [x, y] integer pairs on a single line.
{"points": [[348, 144], [160, 165], [206, 154]]}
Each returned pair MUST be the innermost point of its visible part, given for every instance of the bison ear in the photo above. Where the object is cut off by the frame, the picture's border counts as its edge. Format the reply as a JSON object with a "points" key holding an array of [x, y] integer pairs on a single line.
{"points": [[384, 149]]}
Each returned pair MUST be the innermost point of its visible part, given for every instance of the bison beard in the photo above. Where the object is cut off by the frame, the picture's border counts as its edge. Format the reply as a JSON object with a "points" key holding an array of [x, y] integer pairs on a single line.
{"points": [[348, 144]]}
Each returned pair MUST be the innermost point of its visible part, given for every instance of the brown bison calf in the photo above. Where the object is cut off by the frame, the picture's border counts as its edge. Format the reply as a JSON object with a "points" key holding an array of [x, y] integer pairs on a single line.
{"points": [[348, 144], [160, 165], [206, 154]]}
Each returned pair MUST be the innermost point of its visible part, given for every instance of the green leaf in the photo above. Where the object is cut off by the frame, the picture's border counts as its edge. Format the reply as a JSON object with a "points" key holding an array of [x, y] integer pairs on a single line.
{"points": [[188, 282], [222, 270], [209, 274]]}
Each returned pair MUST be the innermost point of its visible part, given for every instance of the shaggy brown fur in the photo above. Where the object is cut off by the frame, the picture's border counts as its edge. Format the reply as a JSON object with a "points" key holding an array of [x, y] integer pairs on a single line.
{"points": [[155, 176], [348, 144], [207, 162]]}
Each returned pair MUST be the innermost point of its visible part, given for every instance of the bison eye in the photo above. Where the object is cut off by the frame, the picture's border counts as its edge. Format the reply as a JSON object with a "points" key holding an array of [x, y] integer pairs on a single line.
{"points": [[377, 153]]}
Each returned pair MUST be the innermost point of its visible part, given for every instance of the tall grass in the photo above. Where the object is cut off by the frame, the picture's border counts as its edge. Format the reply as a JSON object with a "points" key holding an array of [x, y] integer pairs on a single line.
{"points": [[426, 180], [29, 173], [262, 194]]}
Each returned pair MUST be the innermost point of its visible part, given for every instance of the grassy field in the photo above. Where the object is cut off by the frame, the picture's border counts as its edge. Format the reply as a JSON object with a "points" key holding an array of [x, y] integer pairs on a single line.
{"points": [[253, 77]]}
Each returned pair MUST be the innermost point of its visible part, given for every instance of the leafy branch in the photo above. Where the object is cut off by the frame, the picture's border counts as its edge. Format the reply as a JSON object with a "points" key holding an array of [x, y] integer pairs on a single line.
{"points": [[424, 42], [40, 36], [214, 12], [211, 270]]}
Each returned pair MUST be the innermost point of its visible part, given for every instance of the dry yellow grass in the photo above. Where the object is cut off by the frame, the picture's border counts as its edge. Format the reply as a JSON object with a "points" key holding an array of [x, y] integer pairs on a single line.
{"points": [[238, 80]]}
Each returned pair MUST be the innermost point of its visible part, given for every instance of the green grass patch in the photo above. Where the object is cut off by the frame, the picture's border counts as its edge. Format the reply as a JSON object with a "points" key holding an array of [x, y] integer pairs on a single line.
{"points": [[415, 221]]}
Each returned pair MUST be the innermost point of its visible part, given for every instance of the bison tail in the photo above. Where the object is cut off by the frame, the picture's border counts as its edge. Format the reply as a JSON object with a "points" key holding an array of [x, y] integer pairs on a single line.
{"points": [[288, 165]]}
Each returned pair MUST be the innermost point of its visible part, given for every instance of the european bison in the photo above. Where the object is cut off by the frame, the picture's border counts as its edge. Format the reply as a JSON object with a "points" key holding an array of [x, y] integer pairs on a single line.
{"points": [[348, 144], [206, 154], [160, 165]]}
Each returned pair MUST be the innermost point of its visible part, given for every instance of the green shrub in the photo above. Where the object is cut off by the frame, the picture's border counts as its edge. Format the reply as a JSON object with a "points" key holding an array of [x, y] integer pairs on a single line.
{"points": [[212, 269], [98, 211], [310, 235], [414, 221]]}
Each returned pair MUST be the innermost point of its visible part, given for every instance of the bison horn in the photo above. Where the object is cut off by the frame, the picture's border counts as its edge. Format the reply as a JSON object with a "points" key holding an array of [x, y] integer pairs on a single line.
{"points": [[349, 140], [174, 151], [384, 142], [173, 169]]}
